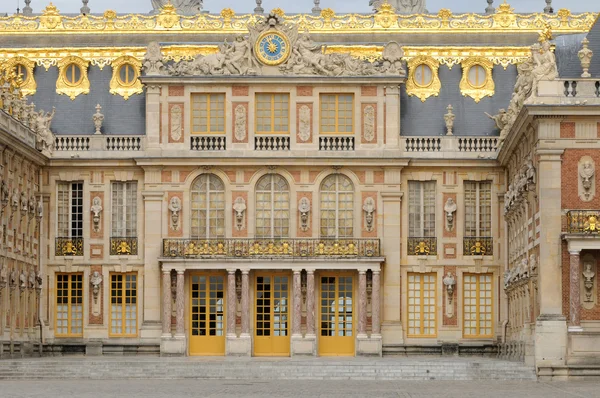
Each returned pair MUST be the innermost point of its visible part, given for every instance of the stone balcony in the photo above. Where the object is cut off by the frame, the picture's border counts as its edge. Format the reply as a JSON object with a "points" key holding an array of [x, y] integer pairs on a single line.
{"points": [[580, 91], [291, 248], [17, 128]]}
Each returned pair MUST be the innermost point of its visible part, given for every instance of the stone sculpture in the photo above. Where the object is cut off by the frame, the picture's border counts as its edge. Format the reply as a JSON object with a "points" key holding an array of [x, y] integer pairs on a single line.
{"points": [[39, 281], [585, 57], [45, 138], [450, 209], [96, 209], [184, 7], [15, 200], [239, 207], [304, 209], [240, 122], [98, 118], [588, 281], [449, 119], [4, 194], [369, 209], [22, 280], [32, 206], [153, 60], [544, 65], [369, 123], [449, 282], [304, 123], [402, 6], [587, 171], [175, 208], [96, 281], [24, 204]]}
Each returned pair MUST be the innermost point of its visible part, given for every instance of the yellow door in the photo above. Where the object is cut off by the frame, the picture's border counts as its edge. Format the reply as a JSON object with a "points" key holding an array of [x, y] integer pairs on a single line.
{"points": [[271, 328], [207, 314], [336, 329]]}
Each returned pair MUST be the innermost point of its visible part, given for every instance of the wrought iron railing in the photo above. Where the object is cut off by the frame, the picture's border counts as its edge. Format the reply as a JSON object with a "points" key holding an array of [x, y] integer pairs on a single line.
{"points": [[68, 246], [478, 246], [123, 246], [285, 248], [583, 221], [422, 246]]}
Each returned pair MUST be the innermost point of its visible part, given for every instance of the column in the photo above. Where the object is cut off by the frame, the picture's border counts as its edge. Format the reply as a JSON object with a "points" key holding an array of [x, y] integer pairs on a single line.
{"points": [[180, 304], [297, 304], [153, 116], [231, 299], [166, 303], [245, 303], [574, 295], [392, 117], [310, 302], [376, 303], [362, 303]]}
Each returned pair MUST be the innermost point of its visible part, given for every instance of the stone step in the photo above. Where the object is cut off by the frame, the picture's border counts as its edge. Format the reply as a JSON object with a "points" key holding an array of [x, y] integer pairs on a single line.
{"points": [[427, 368]]}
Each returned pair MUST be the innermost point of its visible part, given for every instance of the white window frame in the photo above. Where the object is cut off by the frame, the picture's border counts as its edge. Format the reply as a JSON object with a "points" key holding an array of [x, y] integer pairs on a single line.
{"points": [[67, 188], [129, 198], [419, 216], [477, 205]]}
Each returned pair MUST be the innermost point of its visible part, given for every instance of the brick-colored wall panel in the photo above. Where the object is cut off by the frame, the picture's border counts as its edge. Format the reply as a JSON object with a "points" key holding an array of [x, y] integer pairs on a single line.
{"points": [[570, 179], [567, 130], [176, 91], [97, 319], [240, 91], [304, 91], [368, 91]]}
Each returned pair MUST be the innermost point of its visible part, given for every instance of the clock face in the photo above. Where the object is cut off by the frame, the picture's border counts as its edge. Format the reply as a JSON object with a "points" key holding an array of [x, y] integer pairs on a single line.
{"points": [[272, 48]]}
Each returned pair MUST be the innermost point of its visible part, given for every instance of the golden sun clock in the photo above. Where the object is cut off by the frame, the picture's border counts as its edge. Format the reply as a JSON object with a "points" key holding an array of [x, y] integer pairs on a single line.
{"points": [[272, 48]]}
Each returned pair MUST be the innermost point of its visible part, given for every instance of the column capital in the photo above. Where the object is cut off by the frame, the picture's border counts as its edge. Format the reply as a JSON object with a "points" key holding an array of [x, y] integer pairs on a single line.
{"points": [[310, 271], [231, 270], [376, 271], [574, 252], [180, 271], [166, 270], [362, 271], [296, 271], [245, 271]]}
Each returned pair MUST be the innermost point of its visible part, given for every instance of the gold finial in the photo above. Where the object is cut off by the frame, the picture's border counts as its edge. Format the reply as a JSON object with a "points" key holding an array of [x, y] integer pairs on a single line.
{"points": [[278, 11], [545, 34], [327, 13]]}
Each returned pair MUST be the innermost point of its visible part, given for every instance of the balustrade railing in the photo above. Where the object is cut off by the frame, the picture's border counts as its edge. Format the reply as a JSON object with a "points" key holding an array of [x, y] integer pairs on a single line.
{"points": [[123, 246], [583, 221], [422, 246], [477, 144], [423, 144], [285, 248], [124, 143], [68, 246], [72, 143], [478, 246], [272, 142], [208, 143], [336, 143]]}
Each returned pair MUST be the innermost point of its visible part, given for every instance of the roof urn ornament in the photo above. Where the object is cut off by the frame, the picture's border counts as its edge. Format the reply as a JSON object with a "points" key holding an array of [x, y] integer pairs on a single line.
{"points": [[316, 10], [85, 9], [449, 118], [27, 10], [490, 8], [258, 9], [548, 9], [585, 56], [98, 118]]}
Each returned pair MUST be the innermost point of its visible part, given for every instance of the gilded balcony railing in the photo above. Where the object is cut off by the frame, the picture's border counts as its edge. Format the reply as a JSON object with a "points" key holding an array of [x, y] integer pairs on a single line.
{"points": [[478, 246], [422, 246], [68, 246], [583, 221], [123, 246], [282, 248]]}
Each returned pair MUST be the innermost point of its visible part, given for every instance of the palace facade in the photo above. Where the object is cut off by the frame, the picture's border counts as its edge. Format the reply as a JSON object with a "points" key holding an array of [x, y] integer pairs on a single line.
{"points": [[282, 185]]}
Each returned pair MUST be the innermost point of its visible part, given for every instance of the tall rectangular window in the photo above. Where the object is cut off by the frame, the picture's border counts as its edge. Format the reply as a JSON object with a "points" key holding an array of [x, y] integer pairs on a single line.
{"points": [[422, 305], [477, 305], [421, 209], [208, 113], [478, 209], [70, 210], [123, 304], [337, 116], [69, 305], [124, 209], [272, 113]]}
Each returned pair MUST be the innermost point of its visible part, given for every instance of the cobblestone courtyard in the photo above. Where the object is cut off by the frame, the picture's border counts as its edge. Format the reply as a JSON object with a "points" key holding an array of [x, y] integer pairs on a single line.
{"points": [[289, 388]]}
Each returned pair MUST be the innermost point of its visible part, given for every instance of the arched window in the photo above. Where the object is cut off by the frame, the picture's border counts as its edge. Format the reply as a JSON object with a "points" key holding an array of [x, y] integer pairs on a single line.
{"points": [[337, 207], [272, 207], [208, 207]]}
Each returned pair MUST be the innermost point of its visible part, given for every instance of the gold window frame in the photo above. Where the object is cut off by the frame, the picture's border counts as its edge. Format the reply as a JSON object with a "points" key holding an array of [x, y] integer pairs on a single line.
{"points": [[272, 110], [29, 86], [423, 91], [66, 87], [117, 85], [478, 311], [336, 117], [123, 304], [477, 92], [71, 279], [209, 101]]}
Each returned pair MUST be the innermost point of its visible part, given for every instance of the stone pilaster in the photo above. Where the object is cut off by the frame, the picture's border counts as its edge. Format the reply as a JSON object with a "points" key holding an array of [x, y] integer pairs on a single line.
{"points": [[297, 304], [166, 303], [242, 345], [392, 117], [153, 117], [362, 303], [376, 304], [551, 325], [310, 302], [180, 304], [574, 292], [245, 303], [231, 303]]}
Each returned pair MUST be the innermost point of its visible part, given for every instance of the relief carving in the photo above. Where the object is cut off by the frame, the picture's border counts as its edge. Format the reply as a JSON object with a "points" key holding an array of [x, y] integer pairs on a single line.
{"points": [[176, 122], [449, 282], [369, 123], [304, 209], [587, 183], [175, 208], [304, 123], [95, 281], [240, 122], [239, 207]]}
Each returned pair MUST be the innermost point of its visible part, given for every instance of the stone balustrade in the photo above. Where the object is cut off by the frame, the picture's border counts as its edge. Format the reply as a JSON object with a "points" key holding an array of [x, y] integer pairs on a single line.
{"points": [[208, 143], [269, 248], [66, 144], [17, 128], [568, 92], [449, 147]]}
